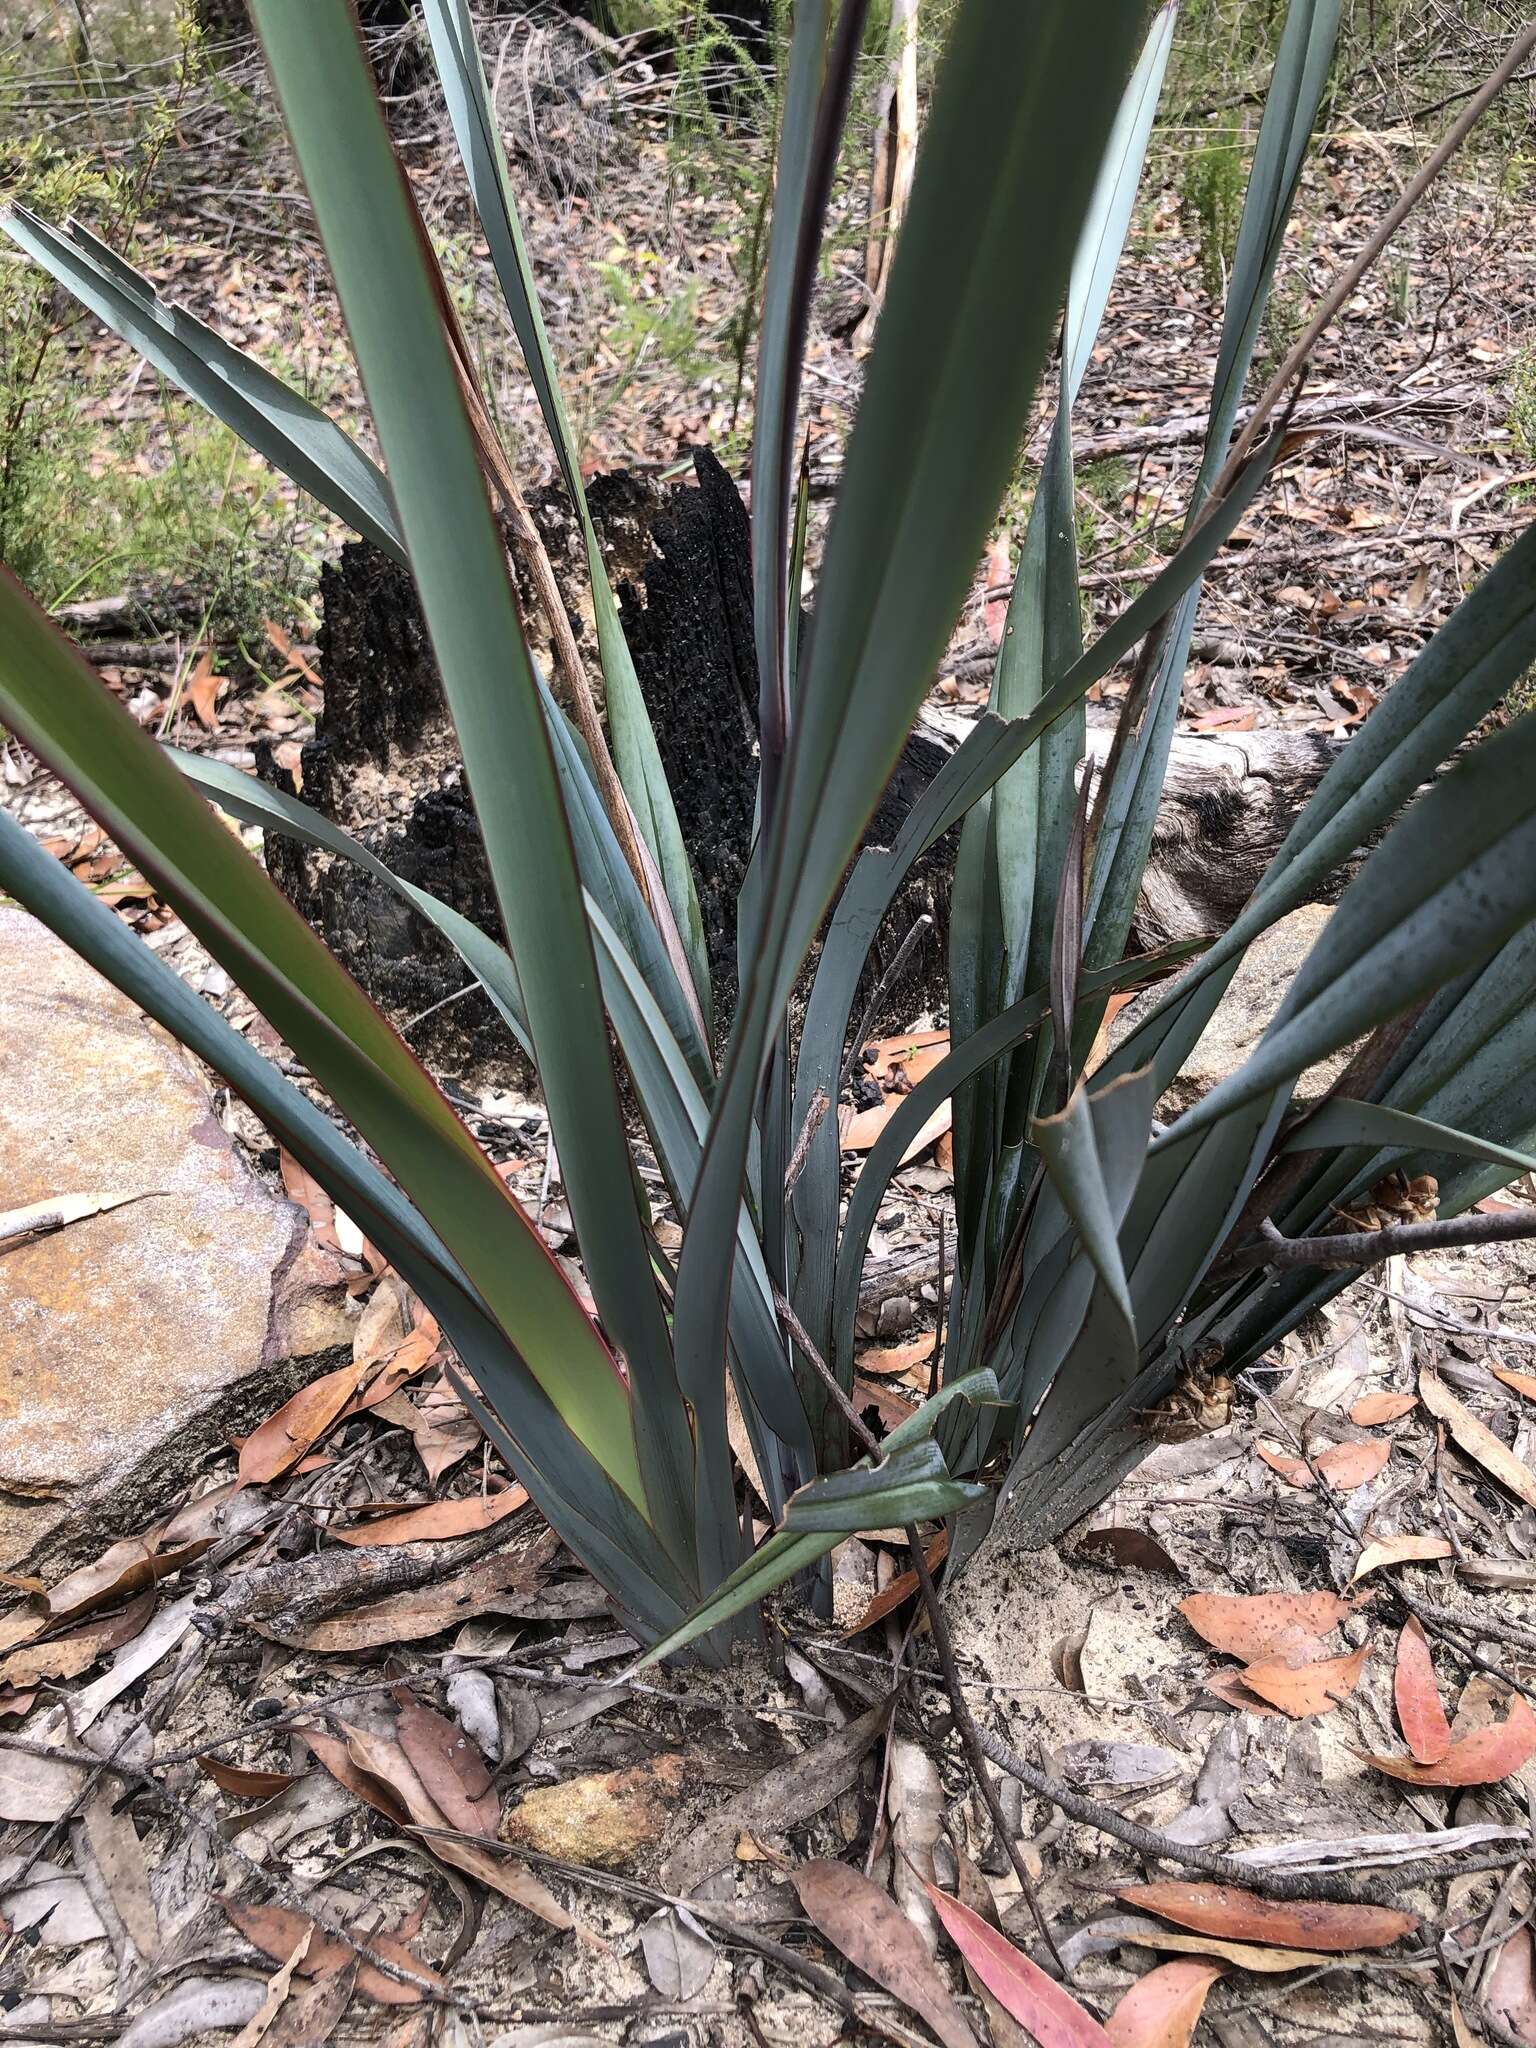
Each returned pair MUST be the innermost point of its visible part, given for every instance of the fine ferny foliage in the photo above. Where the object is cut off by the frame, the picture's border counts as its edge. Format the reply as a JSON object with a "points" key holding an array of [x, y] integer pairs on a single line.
{"points": [[1096, 1250]]}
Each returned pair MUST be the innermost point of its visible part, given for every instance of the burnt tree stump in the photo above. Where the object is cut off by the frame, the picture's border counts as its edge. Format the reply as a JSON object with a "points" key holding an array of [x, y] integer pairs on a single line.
{"points": [[384, 764]]}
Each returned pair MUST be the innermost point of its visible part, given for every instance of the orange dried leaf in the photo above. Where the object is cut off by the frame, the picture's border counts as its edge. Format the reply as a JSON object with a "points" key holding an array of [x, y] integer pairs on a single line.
{"points": [[883, 1361], [1482, 1758], [1227, 1686], [1246, 1624], [277, 1932], [1294, 1471], [1347, 1466], [284, 1438], [437, 1520], [1301, 1686], [1163, 2009], [1373, 1408], [901, 1588], [1420, 1713], [1238, 1915], [1523, 1383]]}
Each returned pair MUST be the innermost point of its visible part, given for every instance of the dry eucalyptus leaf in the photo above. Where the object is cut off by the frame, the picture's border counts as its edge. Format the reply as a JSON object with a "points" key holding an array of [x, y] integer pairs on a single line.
{"points": [[679, 1955]]}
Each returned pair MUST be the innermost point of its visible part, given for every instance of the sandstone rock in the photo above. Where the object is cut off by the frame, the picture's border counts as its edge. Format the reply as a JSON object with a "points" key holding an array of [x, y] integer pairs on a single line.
{"points": [[605, 1818], [1256, 991], [127, 1338]]}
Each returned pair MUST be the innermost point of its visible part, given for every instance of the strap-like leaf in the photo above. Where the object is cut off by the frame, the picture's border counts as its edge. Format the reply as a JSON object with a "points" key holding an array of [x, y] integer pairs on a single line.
{"points": [[1341, 1121], [370, 233], [450, 24], [277, 421]]}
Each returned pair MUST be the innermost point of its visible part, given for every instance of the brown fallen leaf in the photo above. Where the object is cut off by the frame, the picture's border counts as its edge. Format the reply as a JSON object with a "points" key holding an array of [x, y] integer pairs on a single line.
{"points": [[1300, 1686], [914, 1056], [1246, 1624], [67, 1656], [494, 1584], [1482, 1758], [1398, 1550], [1344, 1466], [1046, 2009], [451, 1768], [437, 1520], [203, 688], [366, 1785], [1420, 1714], [901, 1588], [1371, 1409], [1522, 1383], [123, 1569], [241, 1782], [867, 1926], [277, 1932], [300, 1186], [1127, 1550], [277, 1444], [394, 1775], [1476, 1438], [1237, 1915], [882, 1362], [1163, 2008]]}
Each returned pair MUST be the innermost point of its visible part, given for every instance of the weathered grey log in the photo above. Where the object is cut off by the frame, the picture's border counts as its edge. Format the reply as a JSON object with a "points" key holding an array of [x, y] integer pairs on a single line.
{"points": [[384, 763]]}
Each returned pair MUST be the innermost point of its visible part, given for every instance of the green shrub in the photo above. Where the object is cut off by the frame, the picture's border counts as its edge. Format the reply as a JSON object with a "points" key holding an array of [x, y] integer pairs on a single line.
{"points": [[1096, 1250]]}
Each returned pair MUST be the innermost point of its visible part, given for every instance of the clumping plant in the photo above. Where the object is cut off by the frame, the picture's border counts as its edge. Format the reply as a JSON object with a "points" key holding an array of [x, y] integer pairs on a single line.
{"points": [[1098, 1253]]}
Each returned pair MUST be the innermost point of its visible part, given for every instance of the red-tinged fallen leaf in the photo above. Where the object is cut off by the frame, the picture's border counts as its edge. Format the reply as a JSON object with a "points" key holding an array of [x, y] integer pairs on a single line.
{"points": [[240, 1782], [901, 1588], [1246, 1624], [68, 1655], [1305, 1686], [1047, 2009], [1398, 1550], [1420, 1712], [126, 1567], [914, 1056], [1522, 1383], [868, 1927], [1476, 1438], [277, 1932], [279, 1442], [437, 1520], [451, 1768], [1127, 1550], [1371, 1409], [1237, 1915], [1482, 1758], [1163, 2008]]}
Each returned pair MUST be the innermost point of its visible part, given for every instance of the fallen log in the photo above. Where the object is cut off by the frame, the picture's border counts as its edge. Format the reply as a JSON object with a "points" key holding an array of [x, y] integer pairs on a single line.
{"points": [[384, 764]]}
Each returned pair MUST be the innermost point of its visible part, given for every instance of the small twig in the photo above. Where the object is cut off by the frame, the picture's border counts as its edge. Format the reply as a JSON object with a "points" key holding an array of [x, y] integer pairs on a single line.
{"points": [[878, 994]]}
